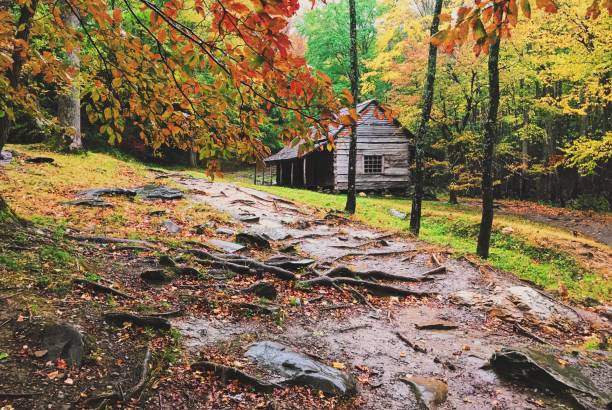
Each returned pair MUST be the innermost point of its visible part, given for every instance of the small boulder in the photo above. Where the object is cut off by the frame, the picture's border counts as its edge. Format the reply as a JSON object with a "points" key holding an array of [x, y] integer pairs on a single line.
{"points": [[63, 341], [171, 227], [429, 391], [262, 289], [6, 157], [297, 368], [253, 239], [251, 219], [156, 277]]}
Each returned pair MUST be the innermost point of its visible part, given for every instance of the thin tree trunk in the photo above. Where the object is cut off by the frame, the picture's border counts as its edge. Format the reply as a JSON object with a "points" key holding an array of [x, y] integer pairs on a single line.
{"points": [[69, 104], [486, 221], [351, 201], [428, 94], [452, 197]]}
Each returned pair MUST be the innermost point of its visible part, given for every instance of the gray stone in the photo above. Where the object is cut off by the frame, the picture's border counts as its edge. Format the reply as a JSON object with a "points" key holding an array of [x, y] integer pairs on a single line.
{"points": [[297, 368], [156, 277], [226, 246], [98, 192], [6, 157], [93, 202], [171, 227], [545, 370], [430, 392], [253, 239], [262, 289], [159, 192], [251, 219], [292, 264], [63, 341], [225, 231], [397, 214]]}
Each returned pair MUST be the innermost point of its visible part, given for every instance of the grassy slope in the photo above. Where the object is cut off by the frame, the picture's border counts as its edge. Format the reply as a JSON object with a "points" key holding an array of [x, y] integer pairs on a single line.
{"points": [[523, 253]]}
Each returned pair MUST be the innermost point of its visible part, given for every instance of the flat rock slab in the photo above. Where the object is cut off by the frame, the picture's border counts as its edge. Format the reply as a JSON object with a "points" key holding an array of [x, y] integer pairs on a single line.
{"points": [[430, 392], [159, 192], [226, 246], [517, 303], [296, 368], [98, 192], [253, 239], [546, 370], [63, 341], [292, 264], [92, 202]]}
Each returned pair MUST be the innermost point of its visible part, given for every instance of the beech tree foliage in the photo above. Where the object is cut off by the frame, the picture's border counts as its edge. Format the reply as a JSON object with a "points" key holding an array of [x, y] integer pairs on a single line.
{"points": [[195, 74]]}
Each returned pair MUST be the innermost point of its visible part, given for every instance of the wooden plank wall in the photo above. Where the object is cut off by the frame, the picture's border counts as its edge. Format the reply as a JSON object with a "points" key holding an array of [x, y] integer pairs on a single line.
{"points": [[375, 136]]}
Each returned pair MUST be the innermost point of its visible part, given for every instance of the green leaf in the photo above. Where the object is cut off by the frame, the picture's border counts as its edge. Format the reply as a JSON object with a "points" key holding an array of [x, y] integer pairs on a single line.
{"points": [[4, 355], [526, 7], [479, 30]]}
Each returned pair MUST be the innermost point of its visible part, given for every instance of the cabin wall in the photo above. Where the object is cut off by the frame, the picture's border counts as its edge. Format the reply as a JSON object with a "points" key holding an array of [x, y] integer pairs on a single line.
{"points": [[375, 136]]}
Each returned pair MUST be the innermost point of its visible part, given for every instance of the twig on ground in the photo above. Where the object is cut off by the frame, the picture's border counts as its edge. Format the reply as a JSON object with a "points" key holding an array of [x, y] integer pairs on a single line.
{"points": [[411, 344], [101, 288], [350, 328]]}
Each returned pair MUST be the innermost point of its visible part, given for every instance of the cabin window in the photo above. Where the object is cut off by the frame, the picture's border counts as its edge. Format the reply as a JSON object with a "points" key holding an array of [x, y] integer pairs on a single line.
{"points": [[372, 164]]}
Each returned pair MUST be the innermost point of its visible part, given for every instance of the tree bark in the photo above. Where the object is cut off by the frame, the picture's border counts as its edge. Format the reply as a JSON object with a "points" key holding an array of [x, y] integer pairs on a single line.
{"points": [[351, 201], [428, 94], [69, 102], [486, 221], [24, 25]]}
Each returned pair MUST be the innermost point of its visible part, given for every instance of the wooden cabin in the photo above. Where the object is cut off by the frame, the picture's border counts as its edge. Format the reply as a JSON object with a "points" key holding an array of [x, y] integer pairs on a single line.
{"points": [[384, 151]]}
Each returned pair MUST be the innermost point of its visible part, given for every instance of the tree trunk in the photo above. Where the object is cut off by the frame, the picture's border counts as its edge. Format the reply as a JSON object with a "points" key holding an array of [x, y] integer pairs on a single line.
{"points": [[193, 159], [452, 198], [69, 102], [524, 166], [486, 221], [428, 93], [351, 201]]}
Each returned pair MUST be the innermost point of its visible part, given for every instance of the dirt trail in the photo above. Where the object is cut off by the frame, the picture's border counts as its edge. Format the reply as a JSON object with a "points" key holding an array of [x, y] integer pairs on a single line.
{"points": [[367, 338]]}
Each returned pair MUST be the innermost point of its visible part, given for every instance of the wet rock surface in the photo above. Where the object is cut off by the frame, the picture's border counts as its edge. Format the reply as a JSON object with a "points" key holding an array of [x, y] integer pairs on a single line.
{"points": [[297, 368], [430, 392], [159, 192], [366, 341], [547, 370], [63, 341], [170, 227], [98, 192], [253, 239], [226, 246], [92, 202]]}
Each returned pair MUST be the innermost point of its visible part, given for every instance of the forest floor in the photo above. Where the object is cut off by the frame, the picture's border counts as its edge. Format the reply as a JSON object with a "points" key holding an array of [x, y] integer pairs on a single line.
{"points": [[452, 313]]}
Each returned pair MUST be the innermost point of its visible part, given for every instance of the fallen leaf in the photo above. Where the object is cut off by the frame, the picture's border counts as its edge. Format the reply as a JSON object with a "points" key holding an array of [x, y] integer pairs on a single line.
{"points": [[69, 381], [338, 365], [53, 375], [61, 364], [40, 353], [402, 354]]}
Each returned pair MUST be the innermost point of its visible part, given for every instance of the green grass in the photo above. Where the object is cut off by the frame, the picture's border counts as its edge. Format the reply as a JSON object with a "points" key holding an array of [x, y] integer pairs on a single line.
{"points": [[523, 253]]}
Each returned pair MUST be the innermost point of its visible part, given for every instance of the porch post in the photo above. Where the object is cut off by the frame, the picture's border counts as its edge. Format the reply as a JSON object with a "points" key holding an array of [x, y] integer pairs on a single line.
{"points": [[270, 182], [292, 171], [304, 169], [255, 175], [279, 173]]}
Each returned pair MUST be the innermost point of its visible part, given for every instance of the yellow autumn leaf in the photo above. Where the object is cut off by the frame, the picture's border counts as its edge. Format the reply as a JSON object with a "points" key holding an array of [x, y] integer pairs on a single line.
{"points": [[338, 365]]}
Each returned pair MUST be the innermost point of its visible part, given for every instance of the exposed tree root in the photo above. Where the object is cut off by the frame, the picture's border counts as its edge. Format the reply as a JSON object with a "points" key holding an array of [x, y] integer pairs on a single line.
{"points": [[118, 318], [244, 265], [124, 396], [377, 289], [435, 271], [105, 239], [101, 288], [231, 373], [346, 272]]}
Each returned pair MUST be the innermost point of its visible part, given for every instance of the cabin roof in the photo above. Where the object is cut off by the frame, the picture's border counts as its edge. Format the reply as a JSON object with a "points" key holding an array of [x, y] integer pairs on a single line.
{"points": [[291, 152]]}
